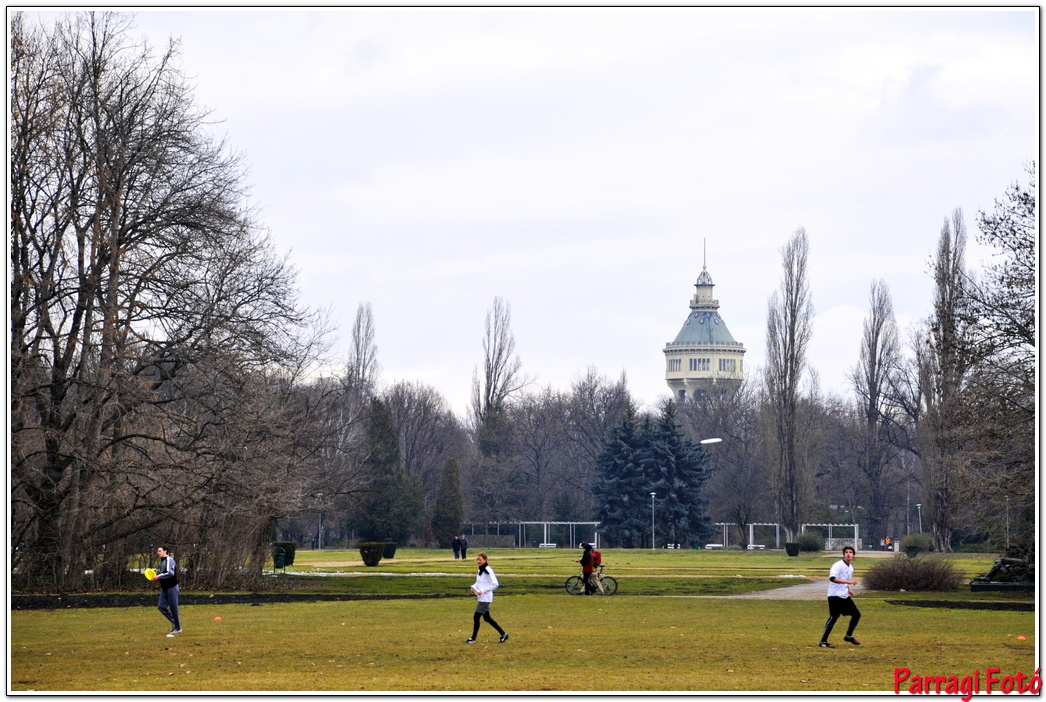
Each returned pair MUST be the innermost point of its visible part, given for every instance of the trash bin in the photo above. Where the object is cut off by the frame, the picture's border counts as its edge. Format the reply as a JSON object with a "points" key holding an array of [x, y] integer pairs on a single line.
{"points": [[279, 558]]}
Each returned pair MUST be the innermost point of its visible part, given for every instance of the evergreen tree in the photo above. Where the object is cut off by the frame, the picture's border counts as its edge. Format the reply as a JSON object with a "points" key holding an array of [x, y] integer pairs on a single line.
{"points": [[652, 455], [391, 507], [449, 510], [619, 488], [676, 470]]}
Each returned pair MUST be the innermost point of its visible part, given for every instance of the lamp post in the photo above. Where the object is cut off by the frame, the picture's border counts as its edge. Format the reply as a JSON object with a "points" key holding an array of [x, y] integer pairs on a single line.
{"points": [[653, 538], [319, 527], [1007, 522], [919, 506], [907, 505]]}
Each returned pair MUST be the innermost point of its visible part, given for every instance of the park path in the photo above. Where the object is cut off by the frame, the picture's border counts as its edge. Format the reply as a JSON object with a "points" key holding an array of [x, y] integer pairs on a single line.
{"points": [[810, 589]]}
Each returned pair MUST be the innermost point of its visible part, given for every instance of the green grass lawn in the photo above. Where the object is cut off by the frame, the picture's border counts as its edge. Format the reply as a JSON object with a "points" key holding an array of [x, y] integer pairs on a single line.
{"points": [[639, 641]]}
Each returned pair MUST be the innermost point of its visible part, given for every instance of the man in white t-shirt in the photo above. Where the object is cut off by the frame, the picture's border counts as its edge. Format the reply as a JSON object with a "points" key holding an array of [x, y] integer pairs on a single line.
{"points": [[840, 599]]}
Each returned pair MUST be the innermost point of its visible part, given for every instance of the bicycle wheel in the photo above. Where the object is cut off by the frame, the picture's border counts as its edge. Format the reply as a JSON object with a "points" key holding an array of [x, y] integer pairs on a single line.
{"points": [[609, 585], [574, 585]]}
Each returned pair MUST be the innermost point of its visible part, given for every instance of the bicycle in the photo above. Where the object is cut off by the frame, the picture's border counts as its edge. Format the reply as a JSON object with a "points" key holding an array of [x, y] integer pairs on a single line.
{"points": [[605, 584]]}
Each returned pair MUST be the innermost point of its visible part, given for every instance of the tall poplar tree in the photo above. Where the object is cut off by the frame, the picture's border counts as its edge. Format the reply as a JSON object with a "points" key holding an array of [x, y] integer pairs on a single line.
{"points": [[788, 330]]}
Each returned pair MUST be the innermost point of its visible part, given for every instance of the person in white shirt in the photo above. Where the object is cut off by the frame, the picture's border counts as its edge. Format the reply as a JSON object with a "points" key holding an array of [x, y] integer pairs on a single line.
{"points": [[483, 589], [840, 599]]}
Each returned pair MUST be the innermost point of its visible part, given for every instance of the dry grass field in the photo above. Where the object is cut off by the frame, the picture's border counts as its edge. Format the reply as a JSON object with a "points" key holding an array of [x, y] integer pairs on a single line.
{"points": [[643, 639]]}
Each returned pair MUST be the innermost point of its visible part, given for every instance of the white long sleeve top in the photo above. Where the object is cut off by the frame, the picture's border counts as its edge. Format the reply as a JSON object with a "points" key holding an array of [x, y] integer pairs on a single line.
{"points": [[840, 571], [486, 583]]}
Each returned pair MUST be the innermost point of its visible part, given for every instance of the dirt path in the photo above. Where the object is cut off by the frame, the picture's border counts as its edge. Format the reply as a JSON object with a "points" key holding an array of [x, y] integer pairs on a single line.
{"points": [[809, 590]]}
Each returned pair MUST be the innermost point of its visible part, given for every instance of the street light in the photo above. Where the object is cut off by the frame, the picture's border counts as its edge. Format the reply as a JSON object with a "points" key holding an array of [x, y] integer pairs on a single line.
{"points": [[653, 539], [1007, 522], [919, 506], [319, 527]]}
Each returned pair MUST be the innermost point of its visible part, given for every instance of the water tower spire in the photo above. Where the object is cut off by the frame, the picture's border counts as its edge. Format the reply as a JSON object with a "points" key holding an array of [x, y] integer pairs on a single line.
{"points": [[704, 352]]}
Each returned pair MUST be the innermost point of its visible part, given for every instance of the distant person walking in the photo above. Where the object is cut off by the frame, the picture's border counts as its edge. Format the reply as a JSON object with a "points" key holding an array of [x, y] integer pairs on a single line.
{"points": [[168, 577], [484, 587], [456, 545], [464, 546], [840, 598]]}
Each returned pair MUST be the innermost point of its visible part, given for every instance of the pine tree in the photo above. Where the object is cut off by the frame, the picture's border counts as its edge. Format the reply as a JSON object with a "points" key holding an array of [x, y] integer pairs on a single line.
{"points": [[619, 484], [449, 510], [391, 507], [652, 455], [677, 470]]}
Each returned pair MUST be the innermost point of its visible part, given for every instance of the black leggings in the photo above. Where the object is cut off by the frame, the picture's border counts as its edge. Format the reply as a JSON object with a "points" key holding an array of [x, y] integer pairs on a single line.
{"points": [[841, 607], [485, 615]]}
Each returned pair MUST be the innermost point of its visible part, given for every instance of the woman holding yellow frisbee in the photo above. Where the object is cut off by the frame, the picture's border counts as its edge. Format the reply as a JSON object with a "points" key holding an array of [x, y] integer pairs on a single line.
{"points": [[168, 577]]}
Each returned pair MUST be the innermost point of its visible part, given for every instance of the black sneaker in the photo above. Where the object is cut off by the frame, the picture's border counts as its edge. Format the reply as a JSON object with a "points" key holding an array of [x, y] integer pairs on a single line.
{"points": [[825, 644], [470, 641], [504, 637], [852, 640]]}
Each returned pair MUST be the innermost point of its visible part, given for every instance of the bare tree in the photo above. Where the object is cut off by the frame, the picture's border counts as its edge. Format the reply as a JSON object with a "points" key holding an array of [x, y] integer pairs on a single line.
{"points": [[871, 379], [143, 293], [944, 364], [539, 426], [361, 370], [737, 489], [501, 366], [1001, 317], [429, 433], [596, 405], [788, 331]]}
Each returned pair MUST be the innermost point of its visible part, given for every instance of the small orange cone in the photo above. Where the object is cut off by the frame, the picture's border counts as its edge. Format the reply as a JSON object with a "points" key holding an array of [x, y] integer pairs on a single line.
{"points": [[1022, 638], [217, 619]]}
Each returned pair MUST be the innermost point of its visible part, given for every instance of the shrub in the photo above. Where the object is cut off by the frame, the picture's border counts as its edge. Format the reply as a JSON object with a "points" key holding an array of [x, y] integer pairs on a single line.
{"points": [[288, 550], [915, 574], [390, 550], [810, 541], [372, 552], [913, 544]]}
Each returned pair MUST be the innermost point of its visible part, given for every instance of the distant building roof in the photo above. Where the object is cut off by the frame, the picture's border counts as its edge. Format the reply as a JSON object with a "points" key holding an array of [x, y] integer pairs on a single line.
{"points": [[704, 327]]}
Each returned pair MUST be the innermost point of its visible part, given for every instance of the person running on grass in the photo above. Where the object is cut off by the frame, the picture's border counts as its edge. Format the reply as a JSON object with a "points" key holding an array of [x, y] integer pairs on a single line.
{"points": [[483, 589], [168, 577], [840, 599]]}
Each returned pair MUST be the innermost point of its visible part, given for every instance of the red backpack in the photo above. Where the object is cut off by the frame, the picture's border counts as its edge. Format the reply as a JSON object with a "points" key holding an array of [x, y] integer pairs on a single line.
{"points": [[597, 558]]}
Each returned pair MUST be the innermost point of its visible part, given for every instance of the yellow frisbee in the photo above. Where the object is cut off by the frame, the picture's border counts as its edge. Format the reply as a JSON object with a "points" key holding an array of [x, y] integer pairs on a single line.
{"points": [[150, 573]]}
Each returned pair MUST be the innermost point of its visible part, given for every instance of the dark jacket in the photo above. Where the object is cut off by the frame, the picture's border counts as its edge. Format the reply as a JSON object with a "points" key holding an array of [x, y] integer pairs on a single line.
{"points": [[586, 561], [168, 573]]}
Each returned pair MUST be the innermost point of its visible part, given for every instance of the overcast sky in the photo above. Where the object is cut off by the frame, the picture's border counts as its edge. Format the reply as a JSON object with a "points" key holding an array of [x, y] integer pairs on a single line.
{"points": [[572, 161]]}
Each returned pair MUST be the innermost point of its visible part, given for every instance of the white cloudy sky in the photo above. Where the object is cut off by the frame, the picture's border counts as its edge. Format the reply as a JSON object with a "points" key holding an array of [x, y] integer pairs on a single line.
{"points": [[572, 161]]}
